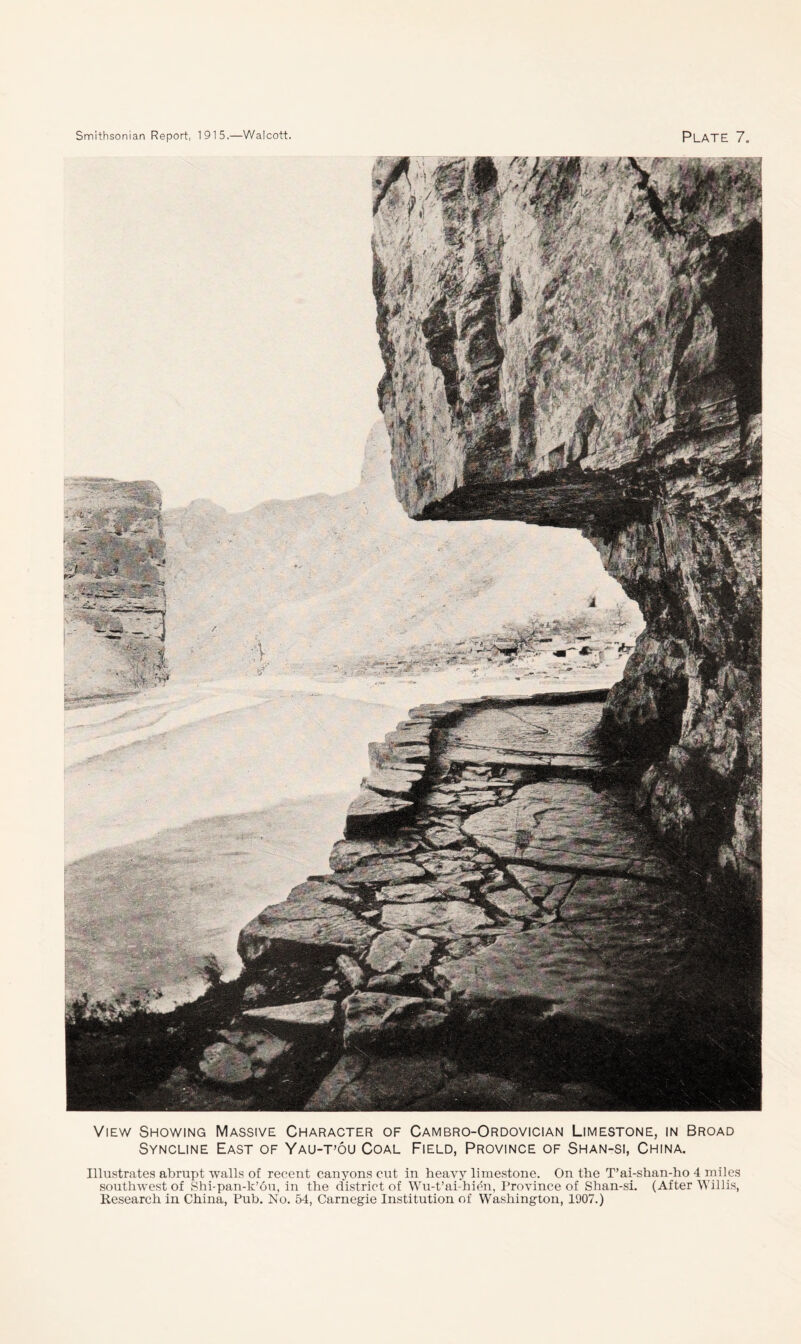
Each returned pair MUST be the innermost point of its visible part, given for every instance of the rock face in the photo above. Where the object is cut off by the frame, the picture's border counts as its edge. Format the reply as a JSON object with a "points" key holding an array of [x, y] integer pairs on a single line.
{"points": [[577, 342], [114, 600]]}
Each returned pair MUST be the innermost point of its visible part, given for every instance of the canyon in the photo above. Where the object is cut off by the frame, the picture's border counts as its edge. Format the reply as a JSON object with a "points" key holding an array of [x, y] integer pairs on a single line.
{"points": [[543, 901]]}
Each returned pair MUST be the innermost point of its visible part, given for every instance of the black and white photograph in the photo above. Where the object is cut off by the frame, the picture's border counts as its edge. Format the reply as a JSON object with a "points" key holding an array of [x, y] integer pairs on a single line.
{"points": [[412, 622], [401, 932]]}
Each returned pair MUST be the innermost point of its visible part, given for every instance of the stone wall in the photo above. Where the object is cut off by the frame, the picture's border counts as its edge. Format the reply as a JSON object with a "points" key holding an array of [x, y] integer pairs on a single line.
{"points": [[577, 342], [114, 601]]}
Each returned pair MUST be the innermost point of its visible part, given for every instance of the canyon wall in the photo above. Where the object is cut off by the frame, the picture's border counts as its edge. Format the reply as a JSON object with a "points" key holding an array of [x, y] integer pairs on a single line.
{"points": [[577, 343], [114, 600]]}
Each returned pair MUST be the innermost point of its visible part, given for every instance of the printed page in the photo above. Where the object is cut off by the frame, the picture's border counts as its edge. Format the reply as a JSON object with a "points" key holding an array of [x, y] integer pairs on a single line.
{"points": [[403, 939]]}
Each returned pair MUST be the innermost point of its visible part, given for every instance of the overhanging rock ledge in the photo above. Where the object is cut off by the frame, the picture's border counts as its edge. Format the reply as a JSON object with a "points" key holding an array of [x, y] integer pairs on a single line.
{"points": [[577, 342]]}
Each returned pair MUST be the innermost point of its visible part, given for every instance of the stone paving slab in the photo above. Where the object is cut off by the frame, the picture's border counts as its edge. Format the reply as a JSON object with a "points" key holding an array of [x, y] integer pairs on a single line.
{"points": [[369, 872], [386, 779], [379, 1019], [437, 919], [568, 729], [347, 853], [634, 980], [400, 952], [565, 824]]}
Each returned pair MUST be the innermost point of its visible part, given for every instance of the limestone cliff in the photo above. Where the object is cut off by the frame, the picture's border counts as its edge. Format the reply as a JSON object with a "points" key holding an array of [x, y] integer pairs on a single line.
{"points": [[113, 586], [577, 342]]}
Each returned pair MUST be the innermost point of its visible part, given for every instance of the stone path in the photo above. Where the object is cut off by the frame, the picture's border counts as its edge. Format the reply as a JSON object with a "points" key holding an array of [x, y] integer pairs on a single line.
{"points": [[516, 940]]}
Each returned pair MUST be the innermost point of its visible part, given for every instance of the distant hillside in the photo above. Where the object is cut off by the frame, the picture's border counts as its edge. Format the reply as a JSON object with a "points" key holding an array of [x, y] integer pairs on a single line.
{"points": [[328, 577]]}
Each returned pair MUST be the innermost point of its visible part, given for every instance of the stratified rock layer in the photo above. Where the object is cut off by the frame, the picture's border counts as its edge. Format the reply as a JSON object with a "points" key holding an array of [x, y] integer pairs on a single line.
{"points": [[114, 600], [577, 342]]}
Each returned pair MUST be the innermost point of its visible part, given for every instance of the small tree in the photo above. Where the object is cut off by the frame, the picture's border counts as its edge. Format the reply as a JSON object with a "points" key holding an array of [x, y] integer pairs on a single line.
{"points": [[619, 615]]}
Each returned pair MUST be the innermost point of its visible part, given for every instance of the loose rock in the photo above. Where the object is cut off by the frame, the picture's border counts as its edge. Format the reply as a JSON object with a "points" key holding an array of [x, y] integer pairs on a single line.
{"points": [[351, 970]]}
